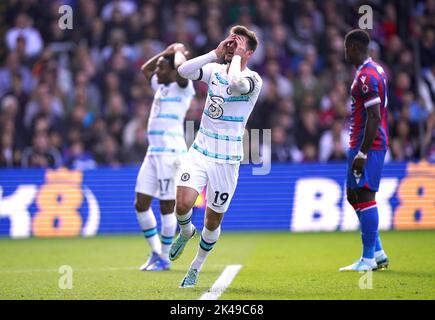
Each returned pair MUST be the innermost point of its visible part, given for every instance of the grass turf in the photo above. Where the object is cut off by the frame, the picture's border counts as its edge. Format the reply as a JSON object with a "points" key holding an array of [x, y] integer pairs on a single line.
{"points": [[277, 266]]}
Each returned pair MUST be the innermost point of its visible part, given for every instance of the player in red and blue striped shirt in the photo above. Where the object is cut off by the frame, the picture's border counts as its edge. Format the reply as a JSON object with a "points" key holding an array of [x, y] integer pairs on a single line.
{"points": [[368, 146]]}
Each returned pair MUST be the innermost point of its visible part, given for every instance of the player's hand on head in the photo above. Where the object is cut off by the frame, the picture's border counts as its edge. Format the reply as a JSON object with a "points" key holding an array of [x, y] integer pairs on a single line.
{"points": [[240, 45], [171, 48], [179, 47], [221, 48]]}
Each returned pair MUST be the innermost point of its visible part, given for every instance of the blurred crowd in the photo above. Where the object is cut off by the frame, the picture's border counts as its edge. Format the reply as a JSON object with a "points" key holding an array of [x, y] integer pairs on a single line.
{"points": [[76, 97]]}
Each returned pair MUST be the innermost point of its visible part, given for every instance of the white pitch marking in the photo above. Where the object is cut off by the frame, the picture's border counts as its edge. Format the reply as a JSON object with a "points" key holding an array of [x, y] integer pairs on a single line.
{"points": [[223, 282]]}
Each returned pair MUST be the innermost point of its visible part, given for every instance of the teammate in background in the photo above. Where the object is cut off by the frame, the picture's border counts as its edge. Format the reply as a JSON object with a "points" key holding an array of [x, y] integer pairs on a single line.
{"points": [[172, 98], [214, 158], [368, 146]]}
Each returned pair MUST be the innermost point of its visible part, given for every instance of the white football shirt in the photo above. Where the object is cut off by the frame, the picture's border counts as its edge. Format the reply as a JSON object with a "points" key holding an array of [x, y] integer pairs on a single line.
{"points": [[166, 120], [220, 136]]}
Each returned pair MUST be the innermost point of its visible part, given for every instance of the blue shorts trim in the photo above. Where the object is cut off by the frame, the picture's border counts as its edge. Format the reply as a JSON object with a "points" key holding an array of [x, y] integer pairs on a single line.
{"points": [[372, 173]]}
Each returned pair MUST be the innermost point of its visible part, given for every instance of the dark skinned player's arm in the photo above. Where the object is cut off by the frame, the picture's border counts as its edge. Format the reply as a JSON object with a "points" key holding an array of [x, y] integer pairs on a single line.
{"points": [[148, 67], [372, 123]]}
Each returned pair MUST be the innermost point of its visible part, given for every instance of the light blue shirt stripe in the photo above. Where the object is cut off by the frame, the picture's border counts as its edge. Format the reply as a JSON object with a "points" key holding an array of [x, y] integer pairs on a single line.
{"points": [[230, 99], [168, 116], [164, 149], [216, 155], [219, 136], [171, 99], [237, 98], [220, 78], [226, 118], [165, 133]]}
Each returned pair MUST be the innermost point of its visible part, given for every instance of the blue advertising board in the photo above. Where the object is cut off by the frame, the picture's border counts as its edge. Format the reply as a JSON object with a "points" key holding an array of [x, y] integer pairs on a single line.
{"points": [[293, 197]]}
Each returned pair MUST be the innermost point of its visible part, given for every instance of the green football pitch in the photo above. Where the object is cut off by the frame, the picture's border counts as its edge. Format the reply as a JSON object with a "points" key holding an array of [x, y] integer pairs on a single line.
{"points": [[277, 266]]}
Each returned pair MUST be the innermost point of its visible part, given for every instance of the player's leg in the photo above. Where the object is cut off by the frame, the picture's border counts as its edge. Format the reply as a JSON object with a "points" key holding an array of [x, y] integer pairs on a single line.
{"points": [[148, 225], [169, 226], [369, 219], [192, 180], [352, 198], [209, 236], [361, 192], [186, 198], [146, 187], [166, 169], [368, 225], [220, 190], [369, 222], [366, 196], [353, 184]]}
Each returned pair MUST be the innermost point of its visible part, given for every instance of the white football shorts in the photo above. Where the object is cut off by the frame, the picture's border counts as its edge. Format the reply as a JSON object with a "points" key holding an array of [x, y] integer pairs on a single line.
{"points": [[156, 176], [197, 172]]}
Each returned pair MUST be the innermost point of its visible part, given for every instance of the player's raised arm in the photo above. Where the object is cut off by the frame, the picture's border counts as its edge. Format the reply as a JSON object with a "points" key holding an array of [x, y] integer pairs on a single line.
{"points": [[238, 83], [149, 67], [180, 53], [193, 68]]}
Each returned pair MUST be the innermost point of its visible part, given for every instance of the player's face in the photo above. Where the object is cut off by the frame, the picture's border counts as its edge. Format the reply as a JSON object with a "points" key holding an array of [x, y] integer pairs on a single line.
{"points": [[230, 49], [163, 71]]}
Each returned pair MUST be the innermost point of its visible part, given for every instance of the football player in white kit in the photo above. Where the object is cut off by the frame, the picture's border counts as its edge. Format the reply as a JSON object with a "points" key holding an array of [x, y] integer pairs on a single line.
{"points": [[172, 98], [214, 158]]}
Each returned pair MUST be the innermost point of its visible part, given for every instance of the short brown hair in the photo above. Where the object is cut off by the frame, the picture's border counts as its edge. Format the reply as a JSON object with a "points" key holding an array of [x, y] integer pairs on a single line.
{"points": [[243, 31]]}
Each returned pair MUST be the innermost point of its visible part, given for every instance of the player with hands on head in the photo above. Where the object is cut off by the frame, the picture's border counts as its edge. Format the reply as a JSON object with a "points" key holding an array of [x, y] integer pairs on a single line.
{"points": [[214, 158], [172, 98]]}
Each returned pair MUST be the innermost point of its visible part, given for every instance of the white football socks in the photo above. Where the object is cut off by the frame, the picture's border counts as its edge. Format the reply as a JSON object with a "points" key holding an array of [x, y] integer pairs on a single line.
{"points": [[185, 223], [207, 242], [148, 224], [169, 226]]}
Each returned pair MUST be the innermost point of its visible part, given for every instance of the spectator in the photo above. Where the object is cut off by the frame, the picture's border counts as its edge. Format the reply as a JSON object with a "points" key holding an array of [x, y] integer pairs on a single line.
{"points": [[41, 154], [9, 155], [334, 143], [402, 145], [13, 69], [116, 117], [29, 36], [125, 8], [108, 153], [283, 85], [139, 122], [79, 159], [135, 152], [308, 132], [281, 146], [427, 88], [306, 84], [429, 139], [427, 47], [309, 152], [80, 88], [43, 103]]}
